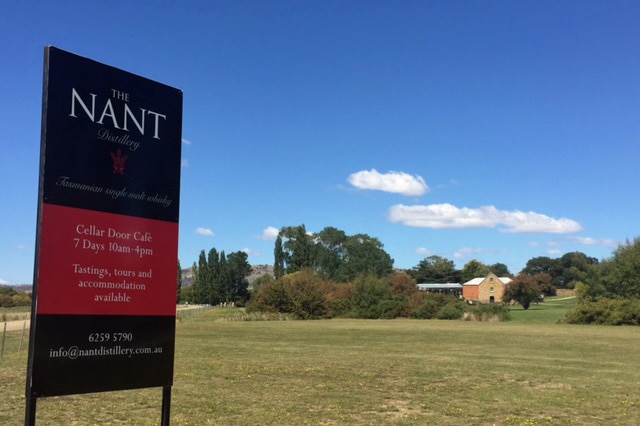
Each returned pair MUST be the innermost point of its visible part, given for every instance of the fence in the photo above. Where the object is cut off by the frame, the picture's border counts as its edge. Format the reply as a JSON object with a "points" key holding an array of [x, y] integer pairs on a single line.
{"points": [[15, 336], [14, 339], [191, 310]]}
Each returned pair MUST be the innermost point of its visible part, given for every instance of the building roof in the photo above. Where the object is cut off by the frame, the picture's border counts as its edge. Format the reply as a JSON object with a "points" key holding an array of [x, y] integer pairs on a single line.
{"points": [[477, 281], [445, 286]]}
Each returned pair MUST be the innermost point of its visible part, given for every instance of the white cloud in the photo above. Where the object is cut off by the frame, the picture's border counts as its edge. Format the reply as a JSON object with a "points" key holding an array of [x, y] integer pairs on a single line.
{"points": [[4, 282], [269, 234], [395, 182], [186, 142], [204, 231], [447, 216], [465, 252], [184, 162], [424, 251], [587, 241], [251, 252]]}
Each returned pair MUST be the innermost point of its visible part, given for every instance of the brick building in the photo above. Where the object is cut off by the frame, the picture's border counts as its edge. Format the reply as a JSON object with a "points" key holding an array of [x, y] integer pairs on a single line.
{"points": [[489, 289]]}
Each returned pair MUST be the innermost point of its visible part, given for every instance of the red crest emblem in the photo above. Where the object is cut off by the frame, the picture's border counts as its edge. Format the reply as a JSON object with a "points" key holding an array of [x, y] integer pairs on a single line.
{"points": [[118, 162]]}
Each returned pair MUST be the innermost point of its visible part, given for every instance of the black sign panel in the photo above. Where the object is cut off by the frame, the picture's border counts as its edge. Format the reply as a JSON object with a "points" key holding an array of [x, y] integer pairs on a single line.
{"points": [[107, 240]]}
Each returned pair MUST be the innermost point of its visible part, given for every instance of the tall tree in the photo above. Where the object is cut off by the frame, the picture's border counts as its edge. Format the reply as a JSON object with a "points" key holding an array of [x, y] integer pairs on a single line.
{"points": [[298, 248], [214, 295], [364, 255], [279, 258], [573, 267], [539, 265], [435, 269], [239, 268], [620, 275], [500, 269], [204, 279], [330, 251], [474, 269]]}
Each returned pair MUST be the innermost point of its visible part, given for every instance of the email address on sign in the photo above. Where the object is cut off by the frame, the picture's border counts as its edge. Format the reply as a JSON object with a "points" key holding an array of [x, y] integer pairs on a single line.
{"points": [[75, 352]]}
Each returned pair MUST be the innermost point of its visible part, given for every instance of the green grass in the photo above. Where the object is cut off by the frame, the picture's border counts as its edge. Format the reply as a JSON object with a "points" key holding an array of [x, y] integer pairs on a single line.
{"points": [[15, 314], [363, 372], [551, 311]]}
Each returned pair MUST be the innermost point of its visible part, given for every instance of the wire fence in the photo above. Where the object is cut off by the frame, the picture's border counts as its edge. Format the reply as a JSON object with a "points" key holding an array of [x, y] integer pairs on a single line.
{"points": [[189, 311], [14, 338], [14, 335]]}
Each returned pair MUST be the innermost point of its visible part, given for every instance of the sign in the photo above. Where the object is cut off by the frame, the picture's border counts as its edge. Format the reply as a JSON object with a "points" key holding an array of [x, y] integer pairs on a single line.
{"points": [[107, 239]]}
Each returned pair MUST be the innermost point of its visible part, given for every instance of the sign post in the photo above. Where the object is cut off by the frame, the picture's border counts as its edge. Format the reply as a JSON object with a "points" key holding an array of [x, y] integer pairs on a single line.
{"points": [[103, 316]]}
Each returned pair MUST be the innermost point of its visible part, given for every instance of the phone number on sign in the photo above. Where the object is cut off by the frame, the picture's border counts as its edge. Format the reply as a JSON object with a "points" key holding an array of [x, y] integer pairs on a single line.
{"points": [[110, 337]]}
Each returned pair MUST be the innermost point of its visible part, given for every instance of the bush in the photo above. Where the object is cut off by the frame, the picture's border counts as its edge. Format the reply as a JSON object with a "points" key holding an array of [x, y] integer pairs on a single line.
{"points": [[302, 294], [605, 311], [392, 308], [441, 306], [339, 300], [488, 312], [368, 293], [451, 312]]}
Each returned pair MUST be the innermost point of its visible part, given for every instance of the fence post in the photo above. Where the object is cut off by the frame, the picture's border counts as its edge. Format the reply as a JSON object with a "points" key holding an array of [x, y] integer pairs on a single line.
{"points": [[4, 334], [24, 327]]}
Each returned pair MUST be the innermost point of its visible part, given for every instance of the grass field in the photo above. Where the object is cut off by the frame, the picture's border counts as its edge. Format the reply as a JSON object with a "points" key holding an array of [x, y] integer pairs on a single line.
{"points": [[529, 371]]}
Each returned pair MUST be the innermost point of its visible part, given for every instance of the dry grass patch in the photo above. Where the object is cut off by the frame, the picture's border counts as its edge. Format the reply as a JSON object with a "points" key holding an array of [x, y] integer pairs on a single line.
{"points": [[400, 372]]}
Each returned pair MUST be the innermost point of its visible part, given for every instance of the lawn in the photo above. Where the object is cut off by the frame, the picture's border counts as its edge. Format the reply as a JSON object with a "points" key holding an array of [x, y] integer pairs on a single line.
{"points": [[363, 372], [550, 312]]}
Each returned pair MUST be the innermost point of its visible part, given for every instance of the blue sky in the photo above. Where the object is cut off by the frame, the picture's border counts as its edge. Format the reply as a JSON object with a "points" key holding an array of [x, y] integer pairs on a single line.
{"points": [[488, 130]]}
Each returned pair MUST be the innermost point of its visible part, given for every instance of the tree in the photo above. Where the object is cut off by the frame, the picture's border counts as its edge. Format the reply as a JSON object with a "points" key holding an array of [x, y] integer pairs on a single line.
{"points": [[279, 258], [538, 265], [500, 269], [474, 269], [238, 269], [330, 250], [331, 253], [364, 255], [523, 289], [620, 275], [435, 269], [214, 293], [572, 268], [298, 248]]}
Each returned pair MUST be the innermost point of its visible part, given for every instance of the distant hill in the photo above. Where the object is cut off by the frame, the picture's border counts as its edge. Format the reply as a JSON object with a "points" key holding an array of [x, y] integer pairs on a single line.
{"points": [[27, 288], [259, 270], [256, 272]]}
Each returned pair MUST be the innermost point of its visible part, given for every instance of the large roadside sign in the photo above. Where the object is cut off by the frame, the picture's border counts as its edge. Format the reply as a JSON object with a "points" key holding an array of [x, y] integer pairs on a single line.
{"points": [[107, 232]]}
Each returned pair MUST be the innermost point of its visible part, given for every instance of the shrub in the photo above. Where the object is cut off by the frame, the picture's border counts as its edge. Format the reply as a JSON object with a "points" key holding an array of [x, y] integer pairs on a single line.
{"points": [[605, 311], [488, 312], [339, 300], [402, 284], [451, 312], [437, 305], [302, 294], [368, 293], [392, 308]]}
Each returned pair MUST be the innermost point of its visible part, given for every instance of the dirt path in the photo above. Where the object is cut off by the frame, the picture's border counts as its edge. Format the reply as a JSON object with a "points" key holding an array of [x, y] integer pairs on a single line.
{"points": [[15, 325]]}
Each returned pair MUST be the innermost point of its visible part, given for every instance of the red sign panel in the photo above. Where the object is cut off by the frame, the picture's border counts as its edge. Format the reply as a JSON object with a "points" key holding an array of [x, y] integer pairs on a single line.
{"points": [[105, 264]]}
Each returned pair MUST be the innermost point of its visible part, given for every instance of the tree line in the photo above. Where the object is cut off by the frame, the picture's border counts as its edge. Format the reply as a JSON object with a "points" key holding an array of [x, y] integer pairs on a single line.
{"points": [[331, 253], [334, 258], [218, 278]]}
